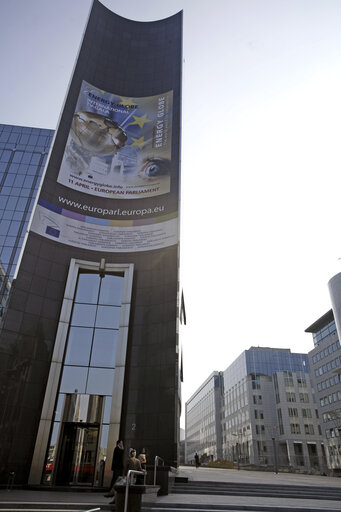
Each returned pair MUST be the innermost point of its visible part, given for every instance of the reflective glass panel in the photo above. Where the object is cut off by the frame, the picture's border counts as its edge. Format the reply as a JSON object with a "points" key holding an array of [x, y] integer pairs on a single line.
{"points": [[83, 315], [74, 379], [52, 452], [59, 407], [79, 346], [100, 381], [111, 290], [104, 440], [108, 317], [87, 288], [104, 348], [107, 408], [55, 432]]}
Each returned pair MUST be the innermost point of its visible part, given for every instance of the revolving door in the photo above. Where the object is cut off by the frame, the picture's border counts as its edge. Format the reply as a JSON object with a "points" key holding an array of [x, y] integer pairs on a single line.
{"points": [[78, 453], [75, 456]]}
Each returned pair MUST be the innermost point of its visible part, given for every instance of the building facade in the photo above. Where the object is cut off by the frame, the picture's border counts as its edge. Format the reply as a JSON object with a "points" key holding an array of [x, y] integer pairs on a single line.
{"points": [[23, 155], [268, 412], [203, 421], [261, 388], [325, 361], [89, 342]]}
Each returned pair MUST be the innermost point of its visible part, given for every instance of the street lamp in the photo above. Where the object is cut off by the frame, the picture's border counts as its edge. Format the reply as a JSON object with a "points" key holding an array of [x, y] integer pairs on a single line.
{"points": [[238, 448], [335, 417], [272, 430]]}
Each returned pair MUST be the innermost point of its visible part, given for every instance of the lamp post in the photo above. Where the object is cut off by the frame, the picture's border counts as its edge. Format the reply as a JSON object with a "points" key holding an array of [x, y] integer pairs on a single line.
{"points": [[335, 417], [237, 434], [272, 430]]}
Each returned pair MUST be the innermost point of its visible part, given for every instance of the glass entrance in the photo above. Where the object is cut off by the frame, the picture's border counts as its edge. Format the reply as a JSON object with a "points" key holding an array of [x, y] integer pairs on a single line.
{"points": [[77, 459]]}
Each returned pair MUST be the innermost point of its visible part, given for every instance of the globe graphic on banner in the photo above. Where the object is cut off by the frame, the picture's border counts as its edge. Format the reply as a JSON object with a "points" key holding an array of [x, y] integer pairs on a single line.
{"points": [[97, 134]]}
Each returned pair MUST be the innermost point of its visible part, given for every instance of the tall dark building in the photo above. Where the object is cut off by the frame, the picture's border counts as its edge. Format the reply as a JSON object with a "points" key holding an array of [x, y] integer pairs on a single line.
{"points": [[89, 343]]}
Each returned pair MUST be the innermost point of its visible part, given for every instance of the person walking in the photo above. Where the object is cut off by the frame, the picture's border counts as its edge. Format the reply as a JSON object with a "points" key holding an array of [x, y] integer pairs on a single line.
{"points": [[197, 462]]}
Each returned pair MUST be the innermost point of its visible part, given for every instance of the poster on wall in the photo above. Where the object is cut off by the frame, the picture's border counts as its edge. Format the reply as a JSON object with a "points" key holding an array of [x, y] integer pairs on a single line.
{"points": [[119, 147], [103, 234]]}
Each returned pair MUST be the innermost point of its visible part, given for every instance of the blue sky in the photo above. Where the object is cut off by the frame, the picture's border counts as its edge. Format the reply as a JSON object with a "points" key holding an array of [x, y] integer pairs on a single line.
{"points": [[260, 155]]}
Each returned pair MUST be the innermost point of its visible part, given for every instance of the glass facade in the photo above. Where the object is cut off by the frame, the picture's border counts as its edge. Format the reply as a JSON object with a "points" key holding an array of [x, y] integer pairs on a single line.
{"points": [[87, 376], [324, 333], [268, 361], [23, 153]]}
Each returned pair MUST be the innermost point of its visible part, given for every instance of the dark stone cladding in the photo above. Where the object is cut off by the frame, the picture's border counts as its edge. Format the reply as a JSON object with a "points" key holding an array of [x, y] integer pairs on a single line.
{"points": [[133, 59]]}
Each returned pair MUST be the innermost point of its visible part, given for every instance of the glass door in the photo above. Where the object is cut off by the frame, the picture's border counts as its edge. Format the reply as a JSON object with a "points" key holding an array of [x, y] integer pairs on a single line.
{"points": [[77, 461]]}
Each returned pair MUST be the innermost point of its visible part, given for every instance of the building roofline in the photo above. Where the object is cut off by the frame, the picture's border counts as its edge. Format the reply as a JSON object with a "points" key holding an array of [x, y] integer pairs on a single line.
{"points": [[321, 322], [210, 377]]}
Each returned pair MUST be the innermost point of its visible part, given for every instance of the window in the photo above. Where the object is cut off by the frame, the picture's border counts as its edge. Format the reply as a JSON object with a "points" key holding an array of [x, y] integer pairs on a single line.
{"points": [[293, 412], [291, 397], [280, 421], [93, 336], [308, 429], [304, 398], [295, 428], [260, 429], [255, 381], [301, 382], [306, 413], [288, 379], [276, 389], [257, 399]]}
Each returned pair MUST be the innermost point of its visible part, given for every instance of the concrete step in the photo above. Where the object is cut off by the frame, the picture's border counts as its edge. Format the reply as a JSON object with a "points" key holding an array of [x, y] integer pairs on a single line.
{"points": [[234, 508], [22, 505], [181, 479], [241, 489]]}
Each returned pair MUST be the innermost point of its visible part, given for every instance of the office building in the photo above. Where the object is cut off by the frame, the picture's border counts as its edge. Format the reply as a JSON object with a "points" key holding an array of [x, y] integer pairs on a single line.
{"points": [[89, 341], [23, 154], [203, 421], [325, 361], [268, 411]]}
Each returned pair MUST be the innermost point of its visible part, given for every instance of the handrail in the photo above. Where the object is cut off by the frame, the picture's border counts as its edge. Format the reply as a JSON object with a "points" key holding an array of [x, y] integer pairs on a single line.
{"points": [[132, 472], [155, 465]]}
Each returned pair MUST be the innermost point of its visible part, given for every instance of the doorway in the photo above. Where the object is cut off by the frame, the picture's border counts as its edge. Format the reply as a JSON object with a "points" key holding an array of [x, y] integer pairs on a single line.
{"points": [[78, 451]]}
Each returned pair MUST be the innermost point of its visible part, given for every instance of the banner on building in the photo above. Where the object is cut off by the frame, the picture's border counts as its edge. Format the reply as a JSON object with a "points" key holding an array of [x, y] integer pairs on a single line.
{"points": [[119, 147]]}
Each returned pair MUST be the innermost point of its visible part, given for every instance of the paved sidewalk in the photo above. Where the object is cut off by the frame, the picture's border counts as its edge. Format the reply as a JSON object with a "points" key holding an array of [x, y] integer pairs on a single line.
{"points": [[88, 500], [254, 477]]}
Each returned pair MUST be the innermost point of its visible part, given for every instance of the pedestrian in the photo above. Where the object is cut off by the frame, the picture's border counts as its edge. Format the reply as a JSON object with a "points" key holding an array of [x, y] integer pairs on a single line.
{"points": [[133, 462], [116, 466], [197, 462], [143, 459]]}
